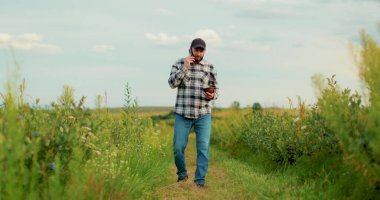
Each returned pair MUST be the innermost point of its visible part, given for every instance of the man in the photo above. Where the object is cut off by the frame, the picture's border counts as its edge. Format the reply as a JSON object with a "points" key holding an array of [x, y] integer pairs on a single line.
{"points": [[196, 81]]}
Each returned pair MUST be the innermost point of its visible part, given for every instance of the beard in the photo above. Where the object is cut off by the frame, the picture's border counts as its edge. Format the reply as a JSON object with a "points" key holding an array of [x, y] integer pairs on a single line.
{"points": [[198, 59]]}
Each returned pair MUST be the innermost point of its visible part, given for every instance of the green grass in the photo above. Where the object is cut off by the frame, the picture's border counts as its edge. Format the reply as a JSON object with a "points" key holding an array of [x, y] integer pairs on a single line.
{"points": [[70, 152], [305, 180], [144, 109]]}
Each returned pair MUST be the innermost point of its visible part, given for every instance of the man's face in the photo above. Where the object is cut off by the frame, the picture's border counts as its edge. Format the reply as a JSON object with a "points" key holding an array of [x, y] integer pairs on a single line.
{"points": [[198, 53]]}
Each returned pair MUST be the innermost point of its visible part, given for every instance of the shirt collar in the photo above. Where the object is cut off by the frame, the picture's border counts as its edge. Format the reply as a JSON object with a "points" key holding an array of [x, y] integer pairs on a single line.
{"points": [[203, 62]]}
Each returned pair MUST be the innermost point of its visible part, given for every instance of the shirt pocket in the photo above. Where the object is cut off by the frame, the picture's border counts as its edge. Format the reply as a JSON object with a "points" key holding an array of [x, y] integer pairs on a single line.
{"points": [[205, 79]]}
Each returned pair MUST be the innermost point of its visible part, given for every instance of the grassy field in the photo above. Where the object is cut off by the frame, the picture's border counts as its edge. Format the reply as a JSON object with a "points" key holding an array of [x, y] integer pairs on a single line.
{"points": [[330, 150], [144, 111], [71, 152]]}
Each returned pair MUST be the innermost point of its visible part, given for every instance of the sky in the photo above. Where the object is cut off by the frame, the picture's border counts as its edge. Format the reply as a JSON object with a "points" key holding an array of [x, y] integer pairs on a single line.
{"points": [[263, 50]]}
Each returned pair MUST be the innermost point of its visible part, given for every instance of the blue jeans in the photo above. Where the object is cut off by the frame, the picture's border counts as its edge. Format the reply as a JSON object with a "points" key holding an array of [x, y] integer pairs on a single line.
{"points": [[202, 126]]}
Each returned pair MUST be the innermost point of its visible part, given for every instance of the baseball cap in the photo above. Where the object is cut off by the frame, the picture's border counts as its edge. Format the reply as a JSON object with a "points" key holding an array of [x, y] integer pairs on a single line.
{"points": [[198, 43]]}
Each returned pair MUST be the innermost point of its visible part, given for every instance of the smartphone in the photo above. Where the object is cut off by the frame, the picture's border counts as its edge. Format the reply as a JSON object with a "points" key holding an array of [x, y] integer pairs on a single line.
{"points": [[191, 53]]}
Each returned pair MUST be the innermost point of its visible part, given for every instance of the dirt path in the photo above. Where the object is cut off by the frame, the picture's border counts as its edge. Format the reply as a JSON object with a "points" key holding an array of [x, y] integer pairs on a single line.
{"points": [[218, 186]]}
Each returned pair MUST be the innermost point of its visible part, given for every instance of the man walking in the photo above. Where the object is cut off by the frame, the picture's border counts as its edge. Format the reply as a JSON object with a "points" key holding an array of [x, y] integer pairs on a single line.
{"points": [[196, 81]]}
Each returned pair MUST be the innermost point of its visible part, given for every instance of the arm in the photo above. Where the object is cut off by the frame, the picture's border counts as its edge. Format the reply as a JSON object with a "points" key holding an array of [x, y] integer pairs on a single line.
{"points": [[177, 74], [179, 70], [214, 82]]}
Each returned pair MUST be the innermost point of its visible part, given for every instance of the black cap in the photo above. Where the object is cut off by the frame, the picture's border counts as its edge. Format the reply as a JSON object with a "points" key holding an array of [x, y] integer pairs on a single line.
{"points": [[198, 43]]}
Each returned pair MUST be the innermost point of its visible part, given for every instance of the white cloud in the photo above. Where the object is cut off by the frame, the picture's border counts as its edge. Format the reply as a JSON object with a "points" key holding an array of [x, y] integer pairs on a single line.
{"points": [[102, 48], [36, 47], [331, 54], [165, 12], [162, 39], [5, 38], [211, 36], [27, 42], [29, 37]]}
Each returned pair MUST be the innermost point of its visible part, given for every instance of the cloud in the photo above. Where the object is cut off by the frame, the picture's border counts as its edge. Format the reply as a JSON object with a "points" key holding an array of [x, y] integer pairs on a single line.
{"points": [[29, 37], [162, 39], [165, 12], [213, 40], [211, 36], [102, 48], [27, 42], [35, 47], [5, 38]]}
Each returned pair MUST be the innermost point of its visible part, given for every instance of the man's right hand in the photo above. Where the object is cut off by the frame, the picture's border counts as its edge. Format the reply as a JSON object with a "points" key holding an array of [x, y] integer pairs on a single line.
{"points": [[190, 59]]}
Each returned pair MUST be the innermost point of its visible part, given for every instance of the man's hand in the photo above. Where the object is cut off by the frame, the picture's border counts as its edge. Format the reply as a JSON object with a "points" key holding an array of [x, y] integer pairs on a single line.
{"points": [[188, 61], [209, 95]]}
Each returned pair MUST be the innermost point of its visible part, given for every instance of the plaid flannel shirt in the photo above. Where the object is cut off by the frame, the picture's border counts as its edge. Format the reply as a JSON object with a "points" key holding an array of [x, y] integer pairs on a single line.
{"points": [[191, 102]]}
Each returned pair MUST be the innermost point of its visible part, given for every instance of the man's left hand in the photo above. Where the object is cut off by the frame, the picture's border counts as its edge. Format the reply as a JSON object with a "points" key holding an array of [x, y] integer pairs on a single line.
{"points": [[209, 95]]}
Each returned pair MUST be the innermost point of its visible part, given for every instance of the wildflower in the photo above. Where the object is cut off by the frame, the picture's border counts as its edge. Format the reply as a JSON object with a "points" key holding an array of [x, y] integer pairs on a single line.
{"points": [[47, 142], [86, 128], [51, 166]]}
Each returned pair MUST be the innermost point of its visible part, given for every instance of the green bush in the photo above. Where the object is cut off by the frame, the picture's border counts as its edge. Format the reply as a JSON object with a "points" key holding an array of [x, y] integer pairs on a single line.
{"points": [[338, 137], [284, 138], [256, 106], [70, 152], [357, 126]]}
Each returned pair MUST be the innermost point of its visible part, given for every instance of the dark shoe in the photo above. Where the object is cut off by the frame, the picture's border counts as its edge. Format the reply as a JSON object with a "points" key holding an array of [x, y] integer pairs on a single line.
{"points": [[201, 186], [182, 179]]}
